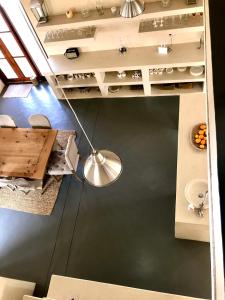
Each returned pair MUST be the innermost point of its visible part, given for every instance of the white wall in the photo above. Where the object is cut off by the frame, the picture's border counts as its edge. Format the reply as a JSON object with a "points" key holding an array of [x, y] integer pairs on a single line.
{"points": [[14, 13]]}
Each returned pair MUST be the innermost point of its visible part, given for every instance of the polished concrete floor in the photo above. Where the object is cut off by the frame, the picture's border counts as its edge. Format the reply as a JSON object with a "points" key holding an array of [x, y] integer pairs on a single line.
{"points": [[122, 234]]}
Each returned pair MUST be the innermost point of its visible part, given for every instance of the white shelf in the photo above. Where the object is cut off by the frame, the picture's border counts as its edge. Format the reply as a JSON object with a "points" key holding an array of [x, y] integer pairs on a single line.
{"points": [[152, 10], [76, 94], [176, 76], [193, 23], [77, 83], [156, 91], [126, 91], [134, 59], [112, 79]]}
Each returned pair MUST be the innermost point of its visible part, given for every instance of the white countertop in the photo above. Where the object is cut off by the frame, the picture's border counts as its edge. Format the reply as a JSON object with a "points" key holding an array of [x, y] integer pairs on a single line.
{"points": [[191, 163], [66, 288]]}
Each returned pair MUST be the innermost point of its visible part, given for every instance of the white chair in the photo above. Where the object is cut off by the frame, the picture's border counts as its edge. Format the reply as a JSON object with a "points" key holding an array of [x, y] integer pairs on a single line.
{"points": [[64, 162], [7, 122], [20, 184], [39, 121]]}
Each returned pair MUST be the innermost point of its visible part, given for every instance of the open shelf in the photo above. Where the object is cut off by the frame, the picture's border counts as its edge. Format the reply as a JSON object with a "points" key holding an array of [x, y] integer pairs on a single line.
{"points": [[112, 79], [110, 60], [152, 10], [77, 83], [157, 91], [57, 36], [175, 23], [76, 94], [176, 76], [128, 91]]}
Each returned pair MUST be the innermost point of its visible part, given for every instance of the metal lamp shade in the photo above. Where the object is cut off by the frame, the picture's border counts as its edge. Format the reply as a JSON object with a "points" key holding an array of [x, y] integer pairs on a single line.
{"points": [[131, 8], [102, 168]]}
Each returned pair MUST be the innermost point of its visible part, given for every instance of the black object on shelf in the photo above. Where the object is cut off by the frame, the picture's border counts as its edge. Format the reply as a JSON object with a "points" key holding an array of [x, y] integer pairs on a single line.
{"points": [[190, 2], [72, 53], [123, 50]]}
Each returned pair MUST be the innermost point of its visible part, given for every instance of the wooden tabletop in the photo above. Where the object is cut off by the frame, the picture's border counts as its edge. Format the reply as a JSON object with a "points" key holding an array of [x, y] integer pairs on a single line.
{"points": [[25, 152]]}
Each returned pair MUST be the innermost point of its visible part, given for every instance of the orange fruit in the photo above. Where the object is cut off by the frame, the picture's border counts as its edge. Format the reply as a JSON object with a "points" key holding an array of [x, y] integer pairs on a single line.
{"points": [[202, 126], [201, 137], [203, 142], [196, 136], [197, 141], [202, 146], [201, 132]]}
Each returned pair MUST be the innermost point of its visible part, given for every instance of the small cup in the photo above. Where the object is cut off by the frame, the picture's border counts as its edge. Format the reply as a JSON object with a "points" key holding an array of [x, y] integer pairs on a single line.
{"points": [[114, 10]]}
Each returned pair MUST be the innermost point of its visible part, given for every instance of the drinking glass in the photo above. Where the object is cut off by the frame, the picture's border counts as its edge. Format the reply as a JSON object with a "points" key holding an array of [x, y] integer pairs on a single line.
{"points": [[85, 12], [165, 3], [99, 7]]}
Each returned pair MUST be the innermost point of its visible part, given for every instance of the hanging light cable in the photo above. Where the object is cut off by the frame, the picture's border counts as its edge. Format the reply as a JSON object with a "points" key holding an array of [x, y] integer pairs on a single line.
{"points": [[102, 167]]}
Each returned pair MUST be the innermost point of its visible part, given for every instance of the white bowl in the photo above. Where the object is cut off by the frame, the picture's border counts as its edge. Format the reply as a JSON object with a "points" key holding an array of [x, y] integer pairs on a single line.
{"points": [[169, 70], [196, 70], [196, 193]]}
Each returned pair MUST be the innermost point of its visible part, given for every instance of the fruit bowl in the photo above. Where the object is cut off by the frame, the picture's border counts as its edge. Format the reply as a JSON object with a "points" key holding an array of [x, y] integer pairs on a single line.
{"points": [[199, 137]]}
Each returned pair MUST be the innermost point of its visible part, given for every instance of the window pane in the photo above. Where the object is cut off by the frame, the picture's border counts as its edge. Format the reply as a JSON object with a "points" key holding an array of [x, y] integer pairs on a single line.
{"points": [[25, 66], [7, 69], [3, 25], [1, 54], [11, 44]]}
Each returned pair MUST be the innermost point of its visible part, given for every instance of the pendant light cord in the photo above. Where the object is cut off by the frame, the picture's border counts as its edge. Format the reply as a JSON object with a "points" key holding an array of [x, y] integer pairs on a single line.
{"points": [[73, 111], [53, 73]]}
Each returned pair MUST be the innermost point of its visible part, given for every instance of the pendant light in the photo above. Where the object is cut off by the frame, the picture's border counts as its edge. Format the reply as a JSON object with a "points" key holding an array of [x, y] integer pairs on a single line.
{"points": [[102, 167], [131, 8]]}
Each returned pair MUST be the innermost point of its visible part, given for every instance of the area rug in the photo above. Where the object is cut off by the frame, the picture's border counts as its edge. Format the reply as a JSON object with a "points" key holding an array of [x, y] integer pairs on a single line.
{"points": [[34, 202], [18, 91]]}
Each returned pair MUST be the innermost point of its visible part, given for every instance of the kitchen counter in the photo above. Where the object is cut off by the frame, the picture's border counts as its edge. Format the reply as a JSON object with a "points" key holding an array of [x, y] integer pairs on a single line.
{"points": [[67, 288], [191, 164]]}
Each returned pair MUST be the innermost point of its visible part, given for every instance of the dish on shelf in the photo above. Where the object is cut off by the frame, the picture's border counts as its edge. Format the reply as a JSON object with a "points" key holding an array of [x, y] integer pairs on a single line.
{"points": [[169, 70], [84, 90], [181, 69], [69, 77], [114, 89], [121, 74], [199, 137], [60, 77], [136, 75], [196, 70]]}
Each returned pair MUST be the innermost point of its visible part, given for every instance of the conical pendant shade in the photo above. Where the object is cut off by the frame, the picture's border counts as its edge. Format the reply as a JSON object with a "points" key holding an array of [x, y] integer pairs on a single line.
{"points": [[102, 168], [131, 8]]}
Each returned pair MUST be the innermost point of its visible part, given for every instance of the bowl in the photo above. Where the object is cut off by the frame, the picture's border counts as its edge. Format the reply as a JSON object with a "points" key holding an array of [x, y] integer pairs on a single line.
{"points": [[196, 70], [113, 89], [199, 137], [196, 193], [181, 69], [169, 70]]}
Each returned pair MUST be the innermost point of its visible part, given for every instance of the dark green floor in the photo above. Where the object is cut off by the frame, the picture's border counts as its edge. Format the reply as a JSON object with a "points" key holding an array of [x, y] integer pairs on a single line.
{"points": [[122, 234]]}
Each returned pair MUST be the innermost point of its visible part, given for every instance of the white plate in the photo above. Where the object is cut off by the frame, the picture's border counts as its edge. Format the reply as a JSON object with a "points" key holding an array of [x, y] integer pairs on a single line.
{"points": [[196, 71]]}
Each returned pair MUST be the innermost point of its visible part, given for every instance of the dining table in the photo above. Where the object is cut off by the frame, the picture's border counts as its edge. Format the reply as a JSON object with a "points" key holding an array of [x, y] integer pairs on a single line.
{"points": [[24, 152]]}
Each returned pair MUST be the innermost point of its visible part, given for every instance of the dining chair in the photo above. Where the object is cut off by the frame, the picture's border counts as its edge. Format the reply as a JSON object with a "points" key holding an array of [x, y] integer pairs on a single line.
{"points": [[7, 122], [39, 121], [20, 184], [64, 162]]}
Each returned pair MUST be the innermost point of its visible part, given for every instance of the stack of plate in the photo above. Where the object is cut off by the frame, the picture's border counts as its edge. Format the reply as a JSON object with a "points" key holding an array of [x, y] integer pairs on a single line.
{"points": [[196, 71]]}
